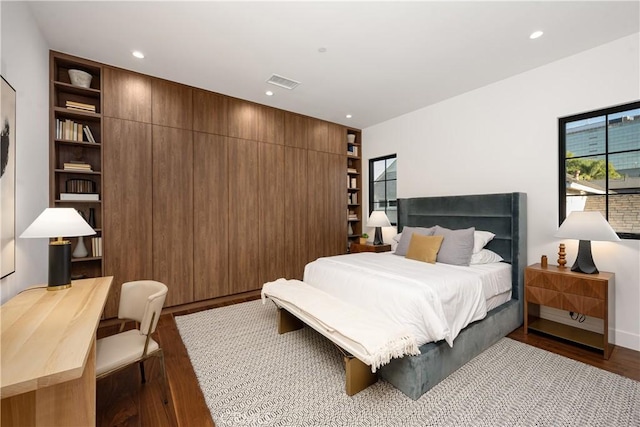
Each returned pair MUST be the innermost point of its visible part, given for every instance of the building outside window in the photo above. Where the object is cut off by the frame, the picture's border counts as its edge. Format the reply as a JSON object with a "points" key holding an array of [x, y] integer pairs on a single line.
{"points": [[600, 166], [382, 187]]}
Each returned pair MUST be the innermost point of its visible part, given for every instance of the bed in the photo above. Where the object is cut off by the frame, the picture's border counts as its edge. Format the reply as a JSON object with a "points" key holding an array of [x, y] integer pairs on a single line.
{"points": [[351, 278]]}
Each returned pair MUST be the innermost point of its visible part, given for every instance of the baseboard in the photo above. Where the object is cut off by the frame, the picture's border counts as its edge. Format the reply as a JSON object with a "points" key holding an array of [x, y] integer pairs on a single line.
{"points": [[626, 339]]}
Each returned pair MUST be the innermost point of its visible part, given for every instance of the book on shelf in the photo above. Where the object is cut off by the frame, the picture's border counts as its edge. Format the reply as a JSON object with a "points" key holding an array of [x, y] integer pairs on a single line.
{"points": [[69, 130], [89, 134], [354, 183], [80, 197], [96, 246], [77, 166], [352, 170], [80, 106], [352, 150], [77, 185]]}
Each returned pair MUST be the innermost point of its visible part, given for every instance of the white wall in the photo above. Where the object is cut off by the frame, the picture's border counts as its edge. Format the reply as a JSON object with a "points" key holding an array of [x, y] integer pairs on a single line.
{"points": [[504, 138], [24, 63]]}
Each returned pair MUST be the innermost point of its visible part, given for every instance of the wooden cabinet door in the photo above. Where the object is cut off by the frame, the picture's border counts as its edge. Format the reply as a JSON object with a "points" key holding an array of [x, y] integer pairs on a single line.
{"points": [[327, 204], [337, 139], [271, 166], [211, 216], [173, 212], [270, 125], [243, 119], [127, 205], [210, 112], [296, 243], [171, 104], [296, 130], [127, 95], [318, 135], [244, 217]]}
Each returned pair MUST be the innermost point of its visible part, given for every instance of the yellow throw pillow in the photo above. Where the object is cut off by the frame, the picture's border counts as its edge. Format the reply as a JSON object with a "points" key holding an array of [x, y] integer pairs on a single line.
{"points": [[424, 248]]}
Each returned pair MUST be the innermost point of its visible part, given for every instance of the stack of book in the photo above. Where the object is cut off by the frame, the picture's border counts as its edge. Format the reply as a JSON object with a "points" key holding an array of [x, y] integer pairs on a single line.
{"points": [[352, 216], [79, 166], [96, 246], [353, 199], [352, 150], [72, 131], [352, 170], [80, 106]]}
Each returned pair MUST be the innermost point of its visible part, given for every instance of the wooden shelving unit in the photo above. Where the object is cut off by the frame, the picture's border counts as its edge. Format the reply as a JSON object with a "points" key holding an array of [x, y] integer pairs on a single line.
{"points": [[354, 186], [76, 149]]}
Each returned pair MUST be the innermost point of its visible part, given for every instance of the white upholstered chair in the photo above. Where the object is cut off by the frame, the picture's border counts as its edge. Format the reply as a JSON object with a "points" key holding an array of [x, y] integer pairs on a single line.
{"points": [[142, 302]]}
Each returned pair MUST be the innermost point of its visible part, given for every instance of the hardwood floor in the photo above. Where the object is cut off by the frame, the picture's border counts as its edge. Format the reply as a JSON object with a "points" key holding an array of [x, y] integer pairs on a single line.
{"points": [[123, 401]]}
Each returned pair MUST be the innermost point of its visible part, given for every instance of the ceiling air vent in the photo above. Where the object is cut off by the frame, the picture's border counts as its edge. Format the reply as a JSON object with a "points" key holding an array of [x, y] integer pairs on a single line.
{"points": [[282, 82]]}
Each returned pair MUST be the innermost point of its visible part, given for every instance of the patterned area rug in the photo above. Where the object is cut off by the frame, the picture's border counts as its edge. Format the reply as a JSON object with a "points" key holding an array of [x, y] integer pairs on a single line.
{"points": [[251, 376]]}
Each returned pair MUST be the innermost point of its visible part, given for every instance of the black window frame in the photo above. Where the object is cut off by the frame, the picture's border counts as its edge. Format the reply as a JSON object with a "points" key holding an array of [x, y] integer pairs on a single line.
{"points": [[562, 145], [371, 184]]}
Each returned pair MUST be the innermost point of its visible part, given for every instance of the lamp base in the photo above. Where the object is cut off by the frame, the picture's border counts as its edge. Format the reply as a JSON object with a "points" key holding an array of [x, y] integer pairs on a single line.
{"points": [[377, 239], [59, 265], [584, 261]]}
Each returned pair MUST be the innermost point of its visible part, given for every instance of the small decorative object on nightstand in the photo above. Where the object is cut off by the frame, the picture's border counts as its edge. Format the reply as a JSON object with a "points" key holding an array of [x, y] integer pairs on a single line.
{"points": [[367, 247], [543, 261], [363, 239], [586, 294], [562, 256]]}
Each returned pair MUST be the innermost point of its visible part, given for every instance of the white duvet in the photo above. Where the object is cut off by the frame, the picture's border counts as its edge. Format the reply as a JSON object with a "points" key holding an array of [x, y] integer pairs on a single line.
{"points": [[433, 301]]}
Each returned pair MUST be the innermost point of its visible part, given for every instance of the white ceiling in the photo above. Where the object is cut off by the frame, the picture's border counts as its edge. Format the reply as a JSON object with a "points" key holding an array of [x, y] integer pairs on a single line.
{"points": [[383, 59]]}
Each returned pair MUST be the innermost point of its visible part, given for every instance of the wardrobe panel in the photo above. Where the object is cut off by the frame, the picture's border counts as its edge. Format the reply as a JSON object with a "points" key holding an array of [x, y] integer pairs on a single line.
{"points": [[271, 165], [173, 212], [243, 119], [296, 130], [127, 95], [210, 112], [296, 242], [244, 252], [210, 216], [171, 104], [127, 205]]}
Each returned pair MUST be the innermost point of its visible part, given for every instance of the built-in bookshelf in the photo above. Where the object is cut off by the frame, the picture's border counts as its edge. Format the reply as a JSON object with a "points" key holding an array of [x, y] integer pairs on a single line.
{"points": [[76, 153], [354, 186]]}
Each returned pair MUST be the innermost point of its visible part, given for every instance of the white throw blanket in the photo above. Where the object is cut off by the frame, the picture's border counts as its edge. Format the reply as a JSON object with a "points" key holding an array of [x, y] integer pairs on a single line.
{"points": [[381, 339]]}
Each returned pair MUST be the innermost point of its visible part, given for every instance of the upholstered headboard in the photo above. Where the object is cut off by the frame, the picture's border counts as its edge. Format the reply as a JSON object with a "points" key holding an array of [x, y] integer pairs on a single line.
{"points": [[504, 214]]}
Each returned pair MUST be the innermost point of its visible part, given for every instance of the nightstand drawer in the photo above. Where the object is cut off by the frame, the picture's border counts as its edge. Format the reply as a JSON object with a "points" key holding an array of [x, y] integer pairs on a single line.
{"points": [[584, 305], [586, 287], [544, 297], [542, 279]]}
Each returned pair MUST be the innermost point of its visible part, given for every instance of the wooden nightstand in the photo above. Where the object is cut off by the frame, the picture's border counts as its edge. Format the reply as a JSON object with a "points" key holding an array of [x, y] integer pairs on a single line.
{"points": [[561, 288], [357, 247]]}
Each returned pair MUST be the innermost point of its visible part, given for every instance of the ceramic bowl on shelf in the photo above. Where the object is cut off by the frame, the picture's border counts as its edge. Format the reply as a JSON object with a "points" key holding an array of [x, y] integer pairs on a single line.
{"points": [[80, 78]]}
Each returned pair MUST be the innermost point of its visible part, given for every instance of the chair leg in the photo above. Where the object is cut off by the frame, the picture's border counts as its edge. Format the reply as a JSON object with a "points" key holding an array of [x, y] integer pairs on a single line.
{"points": [[164, 377], [144, 379]]}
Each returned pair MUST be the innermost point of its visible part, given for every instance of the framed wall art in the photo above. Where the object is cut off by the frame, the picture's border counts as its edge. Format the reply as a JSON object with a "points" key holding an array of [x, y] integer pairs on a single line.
{"points": [[7, 179]]}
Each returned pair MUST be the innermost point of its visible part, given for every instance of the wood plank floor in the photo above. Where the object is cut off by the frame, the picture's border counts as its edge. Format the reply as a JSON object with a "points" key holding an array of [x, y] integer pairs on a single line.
{"points": [[123, 401]]}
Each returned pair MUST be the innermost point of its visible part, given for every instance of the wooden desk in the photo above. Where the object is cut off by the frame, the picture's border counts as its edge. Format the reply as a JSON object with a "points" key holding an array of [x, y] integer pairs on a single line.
{"points": [[47, 355]]}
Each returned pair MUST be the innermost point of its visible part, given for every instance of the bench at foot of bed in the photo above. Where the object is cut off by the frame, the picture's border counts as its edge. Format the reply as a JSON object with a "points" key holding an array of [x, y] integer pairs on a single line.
{"points": [[358, 374]]}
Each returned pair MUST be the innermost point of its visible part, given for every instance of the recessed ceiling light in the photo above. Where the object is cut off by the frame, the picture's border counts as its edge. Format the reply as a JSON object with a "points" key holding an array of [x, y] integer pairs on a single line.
{"points": [[348, 116], [322, 49], [138, 54], [268, 93], [536, 34]]}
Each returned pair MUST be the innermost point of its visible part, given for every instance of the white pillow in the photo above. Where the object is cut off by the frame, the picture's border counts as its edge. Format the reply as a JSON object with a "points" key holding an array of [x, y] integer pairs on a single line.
{"points": [[397, 237], [480, 240], [485, 256]]}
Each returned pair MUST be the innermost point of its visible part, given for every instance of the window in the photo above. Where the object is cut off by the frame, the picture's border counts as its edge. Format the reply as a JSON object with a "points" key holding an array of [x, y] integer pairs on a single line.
{"points": [[600, 166], [382, 187]]}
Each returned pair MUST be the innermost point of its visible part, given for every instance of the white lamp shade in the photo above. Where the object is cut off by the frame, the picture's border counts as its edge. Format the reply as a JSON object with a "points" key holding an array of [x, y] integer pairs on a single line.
{"points": [[587, 226], [58, 222], [378, 219]]}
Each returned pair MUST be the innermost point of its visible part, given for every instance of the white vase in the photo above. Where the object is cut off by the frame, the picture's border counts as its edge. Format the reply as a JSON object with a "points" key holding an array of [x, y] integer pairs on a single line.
{"points": [[80, 251]]}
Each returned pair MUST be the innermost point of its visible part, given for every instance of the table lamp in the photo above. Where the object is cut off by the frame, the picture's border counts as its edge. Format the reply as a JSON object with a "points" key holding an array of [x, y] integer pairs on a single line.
{"points": [[378, 219], [586, 226], [56, 223]]}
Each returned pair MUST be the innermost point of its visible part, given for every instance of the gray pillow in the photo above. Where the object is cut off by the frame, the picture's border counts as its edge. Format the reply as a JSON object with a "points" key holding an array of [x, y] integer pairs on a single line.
{"points": [[457, 246], [407, 232]]}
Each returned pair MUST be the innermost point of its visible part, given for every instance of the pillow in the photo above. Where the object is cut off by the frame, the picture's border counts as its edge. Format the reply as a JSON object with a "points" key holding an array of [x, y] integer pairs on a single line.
{"points": [[485, 256], [424, 248], [397, 237], [480, 240], [457, 246], [407, 232]]}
